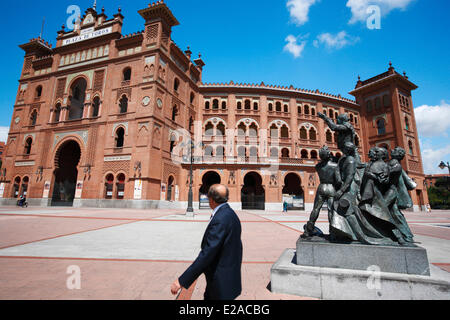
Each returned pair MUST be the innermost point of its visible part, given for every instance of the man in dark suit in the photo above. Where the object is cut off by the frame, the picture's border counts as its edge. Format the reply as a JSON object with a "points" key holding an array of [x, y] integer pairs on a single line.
{"points": [[221, 256]]}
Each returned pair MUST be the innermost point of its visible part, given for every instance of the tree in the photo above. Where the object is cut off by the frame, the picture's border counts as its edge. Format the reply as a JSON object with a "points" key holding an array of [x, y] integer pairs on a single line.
{"points": [[439, 194]]}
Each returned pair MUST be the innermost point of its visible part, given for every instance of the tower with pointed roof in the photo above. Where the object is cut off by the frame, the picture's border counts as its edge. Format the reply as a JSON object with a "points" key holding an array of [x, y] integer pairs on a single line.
{"points": [[387, 107]]}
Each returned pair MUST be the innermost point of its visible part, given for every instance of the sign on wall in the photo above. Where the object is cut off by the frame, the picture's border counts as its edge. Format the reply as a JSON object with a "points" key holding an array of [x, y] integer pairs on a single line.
{"points": [[88, 35], [163, 191], [79, 190], [138, 190], [177, 193], [46, 190]]}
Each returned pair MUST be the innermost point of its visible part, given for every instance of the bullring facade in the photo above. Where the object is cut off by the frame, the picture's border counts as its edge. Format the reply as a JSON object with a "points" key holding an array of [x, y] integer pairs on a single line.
{"points": [[105, 120]]}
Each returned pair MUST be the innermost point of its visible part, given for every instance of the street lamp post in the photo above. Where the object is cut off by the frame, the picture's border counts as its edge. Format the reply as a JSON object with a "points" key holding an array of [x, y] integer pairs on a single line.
{"points": [[190, 209], [443, 166]]}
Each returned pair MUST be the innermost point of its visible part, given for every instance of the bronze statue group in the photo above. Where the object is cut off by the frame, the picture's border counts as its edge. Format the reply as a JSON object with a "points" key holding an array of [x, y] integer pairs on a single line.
{"points": [[364, 200]]}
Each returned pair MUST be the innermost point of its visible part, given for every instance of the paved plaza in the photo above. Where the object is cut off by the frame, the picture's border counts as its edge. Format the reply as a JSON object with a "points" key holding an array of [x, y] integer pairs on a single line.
{"points": [[137, 254]]}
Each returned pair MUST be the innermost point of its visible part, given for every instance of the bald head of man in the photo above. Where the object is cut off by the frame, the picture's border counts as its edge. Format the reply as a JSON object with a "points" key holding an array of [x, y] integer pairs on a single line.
{"points": [[218, 194]]}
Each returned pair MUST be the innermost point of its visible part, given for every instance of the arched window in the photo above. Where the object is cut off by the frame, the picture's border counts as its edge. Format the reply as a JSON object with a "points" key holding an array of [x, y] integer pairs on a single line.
{"points": [[253, 152], [209, 151], [28, 144], [242, 152], [239, 105], [304, 154], [306, 109], [215, 104], [209, 129], [57, 113], [121, 186], [270, 107], [278, 106], [224, 105], [313, 111], [123, 104], [247, 104], [253, 132], [176, 84], [285, 153], [286, 108], [16, 187], [220, 130], [242, 130], [255, 106], [312, 134], [191, 123], [96, 107], [303, 133], [192, 97], [351, 117], [126, 74], [78, 95], [274, 131], [109, 186], [174, 113], [120, 138], [207, 105], [25, 183], [38, 92], [220, 152], [299, 109], [381, 126], [411, 148], [406, 123], [329, 136], [33, 118], [331, 113], [314, 154], [284, 132], [173, 142]]}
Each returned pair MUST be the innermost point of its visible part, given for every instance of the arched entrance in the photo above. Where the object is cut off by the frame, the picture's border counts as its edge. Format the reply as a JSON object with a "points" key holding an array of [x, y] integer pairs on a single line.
{"points": [[293, 193], [66, 173], [253, 195], [209, 179]]}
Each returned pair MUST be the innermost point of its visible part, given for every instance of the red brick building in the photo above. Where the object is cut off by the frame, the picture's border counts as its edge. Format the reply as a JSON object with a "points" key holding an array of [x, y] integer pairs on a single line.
{"points": [[99, 116]]}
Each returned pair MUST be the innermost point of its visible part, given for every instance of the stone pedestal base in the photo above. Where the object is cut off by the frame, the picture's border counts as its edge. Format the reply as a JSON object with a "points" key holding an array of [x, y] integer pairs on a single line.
{"points": [[321, 253], [346, 284]]}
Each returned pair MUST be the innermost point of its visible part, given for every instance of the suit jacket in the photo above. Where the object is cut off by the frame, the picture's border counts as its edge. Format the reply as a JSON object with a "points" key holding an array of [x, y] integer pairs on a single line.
{"points": [[220, 259]]}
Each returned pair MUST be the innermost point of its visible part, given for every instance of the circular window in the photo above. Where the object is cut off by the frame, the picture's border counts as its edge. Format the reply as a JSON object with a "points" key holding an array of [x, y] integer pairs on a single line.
{"points": [[159, 103]]}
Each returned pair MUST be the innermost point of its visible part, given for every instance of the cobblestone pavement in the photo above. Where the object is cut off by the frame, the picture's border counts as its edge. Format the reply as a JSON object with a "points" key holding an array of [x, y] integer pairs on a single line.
{"points": [[137, 254]]}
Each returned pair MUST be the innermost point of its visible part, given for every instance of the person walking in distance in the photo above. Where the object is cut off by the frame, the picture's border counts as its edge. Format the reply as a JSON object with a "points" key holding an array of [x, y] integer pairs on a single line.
{"points": [[221, 256]]}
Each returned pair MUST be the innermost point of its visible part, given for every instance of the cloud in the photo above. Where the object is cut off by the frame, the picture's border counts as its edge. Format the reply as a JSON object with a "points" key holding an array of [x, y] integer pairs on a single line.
{"points": [[359, 8], [299, 10], [4, 134], [433, 121], [337, 41], [293, 46], [432, 157]]}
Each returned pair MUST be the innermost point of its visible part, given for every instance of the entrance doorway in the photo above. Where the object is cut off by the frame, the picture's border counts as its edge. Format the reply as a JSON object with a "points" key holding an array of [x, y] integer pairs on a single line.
{"points": [[66, 173], [293, 193], [209, 179], [253, 195]]}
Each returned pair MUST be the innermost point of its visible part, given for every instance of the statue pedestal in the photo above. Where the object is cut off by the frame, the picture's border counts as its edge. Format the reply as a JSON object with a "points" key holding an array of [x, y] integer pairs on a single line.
{"points": [[321, 253], [330, 271]]}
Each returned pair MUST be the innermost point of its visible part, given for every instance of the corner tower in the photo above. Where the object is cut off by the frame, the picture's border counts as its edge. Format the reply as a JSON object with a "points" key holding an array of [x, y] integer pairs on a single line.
{"points": [[159, 21], [389, 121]]}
